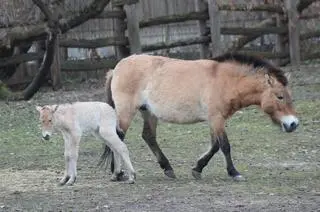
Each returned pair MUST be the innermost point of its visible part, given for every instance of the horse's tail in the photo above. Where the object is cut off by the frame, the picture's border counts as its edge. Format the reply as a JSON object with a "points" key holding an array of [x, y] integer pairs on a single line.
{"points": [[109, 76], [107, 158]]}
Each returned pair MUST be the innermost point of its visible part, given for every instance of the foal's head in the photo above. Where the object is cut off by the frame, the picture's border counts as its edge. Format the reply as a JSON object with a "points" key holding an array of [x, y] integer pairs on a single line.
{"points": [[46, 120]]}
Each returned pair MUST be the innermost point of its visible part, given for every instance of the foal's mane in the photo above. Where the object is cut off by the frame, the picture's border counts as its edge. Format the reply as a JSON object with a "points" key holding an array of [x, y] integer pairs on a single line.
{"points": [[256, 62]]}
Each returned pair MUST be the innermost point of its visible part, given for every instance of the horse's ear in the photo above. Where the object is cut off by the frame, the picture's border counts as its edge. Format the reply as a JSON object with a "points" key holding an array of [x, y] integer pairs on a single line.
{"points": [[38, 108], [269, 79], [288, 75]]}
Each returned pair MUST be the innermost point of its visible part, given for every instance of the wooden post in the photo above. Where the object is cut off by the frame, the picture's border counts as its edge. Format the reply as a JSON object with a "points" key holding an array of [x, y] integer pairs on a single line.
{"points": [[215, 29], [166, 52], [56, 68], [204, 48], [119, 31], [294, 32], [280, 45], [133, 28]]}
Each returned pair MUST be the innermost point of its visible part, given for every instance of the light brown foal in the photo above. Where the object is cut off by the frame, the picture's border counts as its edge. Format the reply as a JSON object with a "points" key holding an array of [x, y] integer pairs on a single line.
{"points": [[182, 91]]}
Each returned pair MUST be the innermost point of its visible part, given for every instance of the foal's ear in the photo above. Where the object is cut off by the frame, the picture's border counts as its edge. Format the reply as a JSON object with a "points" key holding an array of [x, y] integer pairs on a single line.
{"points": [[287, 75], [269, 79], [38, 108]]}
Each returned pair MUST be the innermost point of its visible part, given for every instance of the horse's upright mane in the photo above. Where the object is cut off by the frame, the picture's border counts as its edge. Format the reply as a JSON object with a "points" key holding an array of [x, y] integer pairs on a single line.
{"points": [[256, 62]]}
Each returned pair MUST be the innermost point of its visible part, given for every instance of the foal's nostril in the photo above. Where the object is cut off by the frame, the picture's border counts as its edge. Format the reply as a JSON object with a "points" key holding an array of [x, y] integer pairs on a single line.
{"points": [[46, 137]]}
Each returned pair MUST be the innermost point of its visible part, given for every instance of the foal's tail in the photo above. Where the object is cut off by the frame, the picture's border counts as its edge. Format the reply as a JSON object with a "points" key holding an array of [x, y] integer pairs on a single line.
{"points": [[109, 76]]}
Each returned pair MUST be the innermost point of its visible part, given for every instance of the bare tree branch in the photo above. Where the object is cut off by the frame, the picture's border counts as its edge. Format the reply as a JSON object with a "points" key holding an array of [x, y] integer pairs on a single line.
{"points": [[16, 35], [44, 9], [44, 69]]}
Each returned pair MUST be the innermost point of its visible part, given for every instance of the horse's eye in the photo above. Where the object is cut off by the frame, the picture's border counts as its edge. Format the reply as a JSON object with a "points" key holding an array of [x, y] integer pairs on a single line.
{"points": [[50, 120]]}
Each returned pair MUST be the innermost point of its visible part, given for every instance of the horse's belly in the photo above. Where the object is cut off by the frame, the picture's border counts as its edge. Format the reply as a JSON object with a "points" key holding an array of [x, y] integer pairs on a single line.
{"points": [[177, 113]]}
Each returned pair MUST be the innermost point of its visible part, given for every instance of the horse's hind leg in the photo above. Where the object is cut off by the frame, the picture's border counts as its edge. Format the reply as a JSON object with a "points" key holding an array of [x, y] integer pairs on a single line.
{"points": [[149, 135]]}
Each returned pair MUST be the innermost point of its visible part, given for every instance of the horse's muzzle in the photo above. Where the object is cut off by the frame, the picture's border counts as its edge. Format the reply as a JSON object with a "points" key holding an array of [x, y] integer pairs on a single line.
{"points": [[291, 127], [289, 123]]}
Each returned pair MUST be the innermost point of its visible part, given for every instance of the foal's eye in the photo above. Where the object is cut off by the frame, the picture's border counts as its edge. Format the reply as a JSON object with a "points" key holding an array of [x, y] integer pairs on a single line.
{"points": [[50, 120], [280, 97]]}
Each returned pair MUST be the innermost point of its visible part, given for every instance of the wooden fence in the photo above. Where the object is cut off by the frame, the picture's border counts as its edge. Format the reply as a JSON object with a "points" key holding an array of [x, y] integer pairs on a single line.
{"points": [[127, 40]]}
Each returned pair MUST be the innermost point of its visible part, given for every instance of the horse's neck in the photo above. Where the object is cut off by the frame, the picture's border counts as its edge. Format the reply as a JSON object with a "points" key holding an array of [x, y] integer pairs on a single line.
{"points": [[249, 91]]}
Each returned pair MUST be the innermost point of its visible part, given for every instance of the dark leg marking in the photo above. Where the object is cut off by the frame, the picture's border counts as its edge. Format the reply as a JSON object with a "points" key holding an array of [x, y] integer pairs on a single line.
{"points": [[226, 149], [204, 160], [149, 136]]}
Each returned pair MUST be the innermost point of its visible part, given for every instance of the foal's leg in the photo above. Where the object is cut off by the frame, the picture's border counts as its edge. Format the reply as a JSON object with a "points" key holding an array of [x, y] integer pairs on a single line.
{"points": [[117, 166], [149, 135], [71, 151], [120, 152]]}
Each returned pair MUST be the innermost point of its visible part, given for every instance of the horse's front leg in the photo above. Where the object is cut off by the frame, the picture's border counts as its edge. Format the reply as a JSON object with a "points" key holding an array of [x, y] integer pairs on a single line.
{"points": [[220, 140], [71, 151], [226, 149]]}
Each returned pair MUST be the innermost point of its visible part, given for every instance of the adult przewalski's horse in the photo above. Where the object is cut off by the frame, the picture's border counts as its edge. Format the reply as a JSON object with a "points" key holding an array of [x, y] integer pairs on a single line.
{"points": [[185, 92]]}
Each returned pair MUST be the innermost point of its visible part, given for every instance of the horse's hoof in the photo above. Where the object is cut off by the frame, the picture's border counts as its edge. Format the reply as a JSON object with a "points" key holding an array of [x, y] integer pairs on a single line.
{"points": [[238, 178], [196, 174], [170, 173], [113, 178]]}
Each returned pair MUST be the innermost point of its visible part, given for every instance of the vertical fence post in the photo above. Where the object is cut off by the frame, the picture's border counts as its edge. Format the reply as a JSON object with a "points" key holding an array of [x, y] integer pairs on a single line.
{"points": [[280, 45], [56, 67], [294, 32], [119, 31], [215, 31], [133, 27], [204, 48]]}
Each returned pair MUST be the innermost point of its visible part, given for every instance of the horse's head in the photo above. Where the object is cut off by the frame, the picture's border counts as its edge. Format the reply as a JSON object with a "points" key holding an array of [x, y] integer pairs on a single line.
{"points": [[276, 101], [46, 120]]}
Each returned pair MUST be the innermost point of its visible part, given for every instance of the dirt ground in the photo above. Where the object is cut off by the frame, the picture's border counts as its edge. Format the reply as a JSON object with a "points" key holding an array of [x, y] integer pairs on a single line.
{"points": [[282, 170]]}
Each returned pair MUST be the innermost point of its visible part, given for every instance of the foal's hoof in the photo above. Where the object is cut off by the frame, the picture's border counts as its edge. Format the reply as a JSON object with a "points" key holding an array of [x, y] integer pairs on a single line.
{"points": [[63, 181], [71, 181], [196, 174], [130, 181], [238, 178], [170, 174], [121, 176]]}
